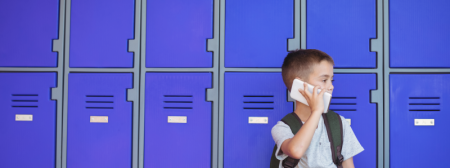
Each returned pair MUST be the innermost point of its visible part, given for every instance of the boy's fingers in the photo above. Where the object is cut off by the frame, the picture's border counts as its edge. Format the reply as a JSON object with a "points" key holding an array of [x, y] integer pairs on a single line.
{"points": [[305, 86], [315, 90], [303, 93], [322, 92]]}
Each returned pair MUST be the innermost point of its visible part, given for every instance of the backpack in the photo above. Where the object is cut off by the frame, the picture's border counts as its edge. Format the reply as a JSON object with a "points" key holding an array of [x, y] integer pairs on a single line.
{"points": [[333, 125]]}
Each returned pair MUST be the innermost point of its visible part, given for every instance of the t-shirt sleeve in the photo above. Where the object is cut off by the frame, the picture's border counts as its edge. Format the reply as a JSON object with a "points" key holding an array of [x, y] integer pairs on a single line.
{"points": [[281, 132], [351, 145]]}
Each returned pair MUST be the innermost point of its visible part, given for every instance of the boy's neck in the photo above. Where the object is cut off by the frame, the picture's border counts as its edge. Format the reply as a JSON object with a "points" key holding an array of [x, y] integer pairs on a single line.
{"points": [[303, 111]]}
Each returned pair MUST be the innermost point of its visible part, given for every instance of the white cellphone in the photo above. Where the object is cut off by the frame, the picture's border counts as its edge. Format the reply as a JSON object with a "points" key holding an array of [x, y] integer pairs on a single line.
{"points": [[295, 94]]}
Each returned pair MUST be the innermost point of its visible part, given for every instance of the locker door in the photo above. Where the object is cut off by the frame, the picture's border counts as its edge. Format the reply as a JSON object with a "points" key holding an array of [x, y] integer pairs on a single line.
{"points": [[27, 120], [99, 124], [351, 99], [256, 32], [343, 30], [177, 32], [418, 120], [99, 33], [177, 120], [254, 103], [419, 33], [26, 33]]}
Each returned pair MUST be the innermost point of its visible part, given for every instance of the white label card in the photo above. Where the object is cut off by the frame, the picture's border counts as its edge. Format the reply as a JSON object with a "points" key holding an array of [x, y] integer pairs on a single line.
{"points": [[177, 119], [99, 119], [424, 122], [258, 120], [24, 117]]}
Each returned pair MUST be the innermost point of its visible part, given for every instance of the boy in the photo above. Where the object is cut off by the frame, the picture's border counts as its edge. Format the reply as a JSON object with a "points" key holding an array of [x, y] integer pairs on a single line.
{"points": [[311, 144]]}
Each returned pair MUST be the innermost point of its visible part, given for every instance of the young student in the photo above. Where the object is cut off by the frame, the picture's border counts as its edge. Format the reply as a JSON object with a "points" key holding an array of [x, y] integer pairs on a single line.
{"points": [[310, 146]]}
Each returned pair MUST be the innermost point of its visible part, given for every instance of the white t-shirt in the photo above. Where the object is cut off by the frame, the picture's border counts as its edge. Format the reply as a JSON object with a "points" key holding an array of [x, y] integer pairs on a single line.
{"points": [[318, 153]]}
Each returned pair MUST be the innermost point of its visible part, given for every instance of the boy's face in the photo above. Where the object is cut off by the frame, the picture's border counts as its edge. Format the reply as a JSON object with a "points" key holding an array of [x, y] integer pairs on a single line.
{"points": [[322, 75]]}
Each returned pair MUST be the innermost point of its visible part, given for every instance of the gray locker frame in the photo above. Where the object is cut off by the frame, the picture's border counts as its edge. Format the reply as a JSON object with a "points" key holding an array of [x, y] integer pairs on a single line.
{"points": [[218, 70], [132, 93], [212, 94], [387, 71], [56, 92], [299, 42]]}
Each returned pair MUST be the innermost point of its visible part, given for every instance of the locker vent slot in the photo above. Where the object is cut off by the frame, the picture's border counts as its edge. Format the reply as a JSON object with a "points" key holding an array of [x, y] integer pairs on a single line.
{"points": [[177, 95], [24, 100], [424, 104], [343, 97], [100, 107], [177, 107], [424, 98], [100, 102], [343, 104], [24, 94], [99, 96], [178, 102], [26, 106], [258, 102]]}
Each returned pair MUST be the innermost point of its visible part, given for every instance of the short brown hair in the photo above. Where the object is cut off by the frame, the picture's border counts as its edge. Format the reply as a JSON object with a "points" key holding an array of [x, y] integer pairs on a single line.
{"points": [[299, 63]]}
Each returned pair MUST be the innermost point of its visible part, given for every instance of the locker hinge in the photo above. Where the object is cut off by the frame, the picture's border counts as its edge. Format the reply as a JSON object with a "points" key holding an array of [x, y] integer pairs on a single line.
{"points": [[132, 95], [294, 43], [213, 45], [211, 95], [56, 94], [376, 95], [289, 98], [133, 45], [376, 45], [57, 46]]}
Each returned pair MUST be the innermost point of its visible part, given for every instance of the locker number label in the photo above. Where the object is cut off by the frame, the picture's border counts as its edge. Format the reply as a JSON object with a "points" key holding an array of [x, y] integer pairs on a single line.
{"points": [[424, 122], [177, 119], [99, 119], [258, 120], [349, 121], [24, 117]]}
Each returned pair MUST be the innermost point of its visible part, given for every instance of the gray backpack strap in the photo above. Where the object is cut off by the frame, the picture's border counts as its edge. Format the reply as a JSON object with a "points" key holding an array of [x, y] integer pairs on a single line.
{"points": [[294, 122], [333, 124]]}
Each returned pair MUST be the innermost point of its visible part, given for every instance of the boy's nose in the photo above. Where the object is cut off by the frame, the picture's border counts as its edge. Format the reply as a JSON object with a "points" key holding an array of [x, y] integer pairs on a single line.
{"points": [[330, 89]]}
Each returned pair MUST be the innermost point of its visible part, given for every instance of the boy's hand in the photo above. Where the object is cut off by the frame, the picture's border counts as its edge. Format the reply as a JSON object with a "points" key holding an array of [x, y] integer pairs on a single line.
{"points": [[314, 99]]}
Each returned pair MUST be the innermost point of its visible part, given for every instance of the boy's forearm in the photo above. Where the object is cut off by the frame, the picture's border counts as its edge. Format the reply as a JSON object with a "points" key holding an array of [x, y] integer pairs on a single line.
{"points": [[298, 145]]}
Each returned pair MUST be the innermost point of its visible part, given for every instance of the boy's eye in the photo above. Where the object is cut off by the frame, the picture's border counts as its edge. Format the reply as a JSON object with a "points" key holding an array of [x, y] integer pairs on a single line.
{"points": [[332, 81]]}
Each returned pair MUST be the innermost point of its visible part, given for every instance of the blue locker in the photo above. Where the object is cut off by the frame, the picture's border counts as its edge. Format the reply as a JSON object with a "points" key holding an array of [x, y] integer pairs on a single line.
{"points": [[177, 32], [419, 33], [343, 30], [27, 120], [415, 98], [256, 32], [177, 120], [99, 33], [99, 124], [351, 99], [26, 33], [254, 103]]}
